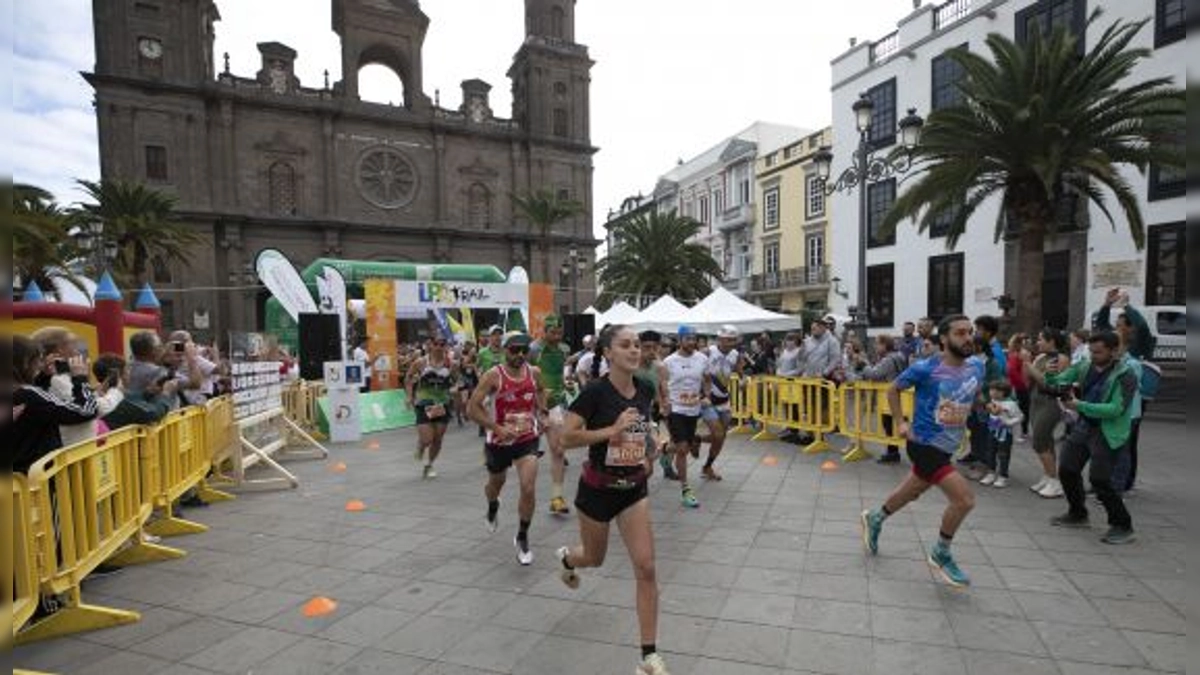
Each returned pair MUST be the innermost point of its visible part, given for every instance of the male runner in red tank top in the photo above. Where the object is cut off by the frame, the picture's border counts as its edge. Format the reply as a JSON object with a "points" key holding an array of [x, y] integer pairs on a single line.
{"points": [[513, 429]]}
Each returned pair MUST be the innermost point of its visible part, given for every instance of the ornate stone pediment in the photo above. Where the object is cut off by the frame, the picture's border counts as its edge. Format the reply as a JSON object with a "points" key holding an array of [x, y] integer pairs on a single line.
{"points": [[737, 149], [478, 170], [280, 144]]}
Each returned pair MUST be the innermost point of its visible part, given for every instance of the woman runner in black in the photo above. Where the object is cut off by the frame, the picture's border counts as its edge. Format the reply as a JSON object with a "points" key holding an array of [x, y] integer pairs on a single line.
{"points": [[612, 417]]}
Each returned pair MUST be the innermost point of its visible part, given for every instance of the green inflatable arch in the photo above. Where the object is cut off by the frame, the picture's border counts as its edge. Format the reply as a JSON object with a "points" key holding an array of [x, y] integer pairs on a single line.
{"points": [[355, 272]]}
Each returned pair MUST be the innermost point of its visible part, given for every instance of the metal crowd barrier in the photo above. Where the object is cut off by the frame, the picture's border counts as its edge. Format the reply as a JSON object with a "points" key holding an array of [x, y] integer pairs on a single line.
{"points": [[806, 405], [178, 447], [24, 564], [741, 403], [88, 507], [866, 414], [300, 404]]}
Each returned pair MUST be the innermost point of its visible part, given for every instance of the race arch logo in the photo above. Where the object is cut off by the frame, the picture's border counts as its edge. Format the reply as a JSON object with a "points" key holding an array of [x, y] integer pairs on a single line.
{"points": [[444, 294]]}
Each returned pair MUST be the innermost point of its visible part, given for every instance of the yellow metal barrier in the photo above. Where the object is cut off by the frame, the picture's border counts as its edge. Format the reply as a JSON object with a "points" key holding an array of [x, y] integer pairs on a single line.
{"points": [[183, 458], [864, 406], [24, 563], [222, 440], [87, 504], [300, 404], [741, 406], [807, 405]]}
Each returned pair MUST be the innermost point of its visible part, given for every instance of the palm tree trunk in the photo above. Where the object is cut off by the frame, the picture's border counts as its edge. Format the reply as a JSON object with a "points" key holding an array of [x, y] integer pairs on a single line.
{"points": [[1030, 272]]}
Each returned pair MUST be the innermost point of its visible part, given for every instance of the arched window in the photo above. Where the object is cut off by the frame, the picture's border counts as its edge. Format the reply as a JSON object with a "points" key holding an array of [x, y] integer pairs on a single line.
{"points": [[479, 207], [560, 122], [281, 179], [560, 90], [558, 21], [379, 83]]}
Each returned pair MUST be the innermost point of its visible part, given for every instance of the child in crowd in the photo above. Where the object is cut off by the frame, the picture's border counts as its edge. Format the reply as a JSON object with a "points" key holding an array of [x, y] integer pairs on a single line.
{"points": [[1004, 414]]}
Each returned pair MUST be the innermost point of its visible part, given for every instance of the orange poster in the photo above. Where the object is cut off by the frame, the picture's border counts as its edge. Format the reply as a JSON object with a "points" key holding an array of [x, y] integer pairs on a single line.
{"points": [[541, 305], [381, 333]]}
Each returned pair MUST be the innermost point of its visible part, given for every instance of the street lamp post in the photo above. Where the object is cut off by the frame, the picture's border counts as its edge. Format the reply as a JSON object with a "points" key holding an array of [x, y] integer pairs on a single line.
{"points": [[866, 168], [571, 268]]}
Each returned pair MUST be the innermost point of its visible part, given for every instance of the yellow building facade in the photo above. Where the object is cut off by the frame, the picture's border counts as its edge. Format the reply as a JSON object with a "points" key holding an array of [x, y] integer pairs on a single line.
{"points": [[792, 228]]}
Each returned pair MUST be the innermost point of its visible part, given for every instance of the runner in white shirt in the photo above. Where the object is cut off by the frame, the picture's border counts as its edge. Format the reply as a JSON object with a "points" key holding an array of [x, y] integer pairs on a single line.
{"points": [[688, 388], [724, 361]]}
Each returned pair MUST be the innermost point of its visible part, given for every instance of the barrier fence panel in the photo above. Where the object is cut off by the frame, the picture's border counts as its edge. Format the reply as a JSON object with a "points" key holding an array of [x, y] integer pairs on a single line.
{"points": [[88, 507], [179, 442], [222, 440], [300, 404], [801, 404], [741, 406], [866, 417], [24, 562]]}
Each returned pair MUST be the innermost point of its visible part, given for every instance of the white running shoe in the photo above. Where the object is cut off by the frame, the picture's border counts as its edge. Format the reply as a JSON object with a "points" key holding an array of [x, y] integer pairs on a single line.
{"points": [[1037, 487], [652, 665], [1000, 482], [428, 473], [524, 554], [1052, 490], [569, 576], [988, 479]]}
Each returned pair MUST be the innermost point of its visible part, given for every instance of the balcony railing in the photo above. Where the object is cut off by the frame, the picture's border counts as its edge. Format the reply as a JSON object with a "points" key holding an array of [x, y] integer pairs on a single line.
{"points": [[950, 11], [738, 286], [885, 48], [795, 278], [736, 217]]}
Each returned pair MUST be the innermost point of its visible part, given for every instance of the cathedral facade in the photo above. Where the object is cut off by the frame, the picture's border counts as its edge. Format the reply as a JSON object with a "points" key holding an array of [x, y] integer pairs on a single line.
{"points": [[268, 161]]}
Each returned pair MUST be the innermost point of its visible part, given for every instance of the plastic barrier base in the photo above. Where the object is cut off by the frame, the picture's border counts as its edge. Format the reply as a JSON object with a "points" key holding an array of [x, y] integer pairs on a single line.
{"points": [[742, 429], [208, 494], [857, 453], [144, 552], [78, 619], [764, 435], [816, 447], [170, 526]]}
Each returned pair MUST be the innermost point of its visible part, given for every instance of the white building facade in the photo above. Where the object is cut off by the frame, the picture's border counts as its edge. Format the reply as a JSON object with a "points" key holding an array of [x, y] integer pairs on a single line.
{"points": [[911, 274], [717, 188]]}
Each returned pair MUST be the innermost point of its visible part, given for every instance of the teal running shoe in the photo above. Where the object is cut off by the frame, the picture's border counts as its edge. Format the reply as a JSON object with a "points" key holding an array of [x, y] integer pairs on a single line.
{"points": [[872, 525], [688, 498], [665, 461], [942, 564]]}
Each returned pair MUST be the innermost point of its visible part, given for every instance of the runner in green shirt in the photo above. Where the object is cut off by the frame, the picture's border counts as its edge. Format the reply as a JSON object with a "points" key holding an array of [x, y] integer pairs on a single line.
{"points": [[550, 355], [490, 354]]}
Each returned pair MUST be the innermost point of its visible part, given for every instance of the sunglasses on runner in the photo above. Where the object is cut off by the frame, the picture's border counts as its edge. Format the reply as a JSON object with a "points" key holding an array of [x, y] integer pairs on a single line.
{"points": [[518, 349]]}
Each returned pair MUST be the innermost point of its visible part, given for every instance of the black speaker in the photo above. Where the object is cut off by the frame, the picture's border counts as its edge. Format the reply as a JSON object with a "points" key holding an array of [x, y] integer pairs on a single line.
{"points": [[319, 342], [575, 326]]}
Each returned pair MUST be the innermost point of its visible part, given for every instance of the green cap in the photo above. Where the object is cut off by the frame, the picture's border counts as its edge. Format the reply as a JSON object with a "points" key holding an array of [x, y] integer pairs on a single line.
{"points": [[553, 321], [516, 339]]}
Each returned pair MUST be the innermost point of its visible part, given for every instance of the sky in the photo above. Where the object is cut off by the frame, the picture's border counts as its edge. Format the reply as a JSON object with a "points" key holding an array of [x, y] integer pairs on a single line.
{"points": [[672, 77]]}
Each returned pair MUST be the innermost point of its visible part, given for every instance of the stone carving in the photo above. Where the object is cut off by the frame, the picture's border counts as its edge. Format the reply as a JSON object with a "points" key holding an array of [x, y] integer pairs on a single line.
{"points": [[386, 178]]}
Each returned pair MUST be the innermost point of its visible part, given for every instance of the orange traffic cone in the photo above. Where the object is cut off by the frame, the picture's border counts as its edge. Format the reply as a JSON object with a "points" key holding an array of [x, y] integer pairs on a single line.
{"points": [[337, 467], [770, 460], [829, 465], [355, 505], [318, 607]]}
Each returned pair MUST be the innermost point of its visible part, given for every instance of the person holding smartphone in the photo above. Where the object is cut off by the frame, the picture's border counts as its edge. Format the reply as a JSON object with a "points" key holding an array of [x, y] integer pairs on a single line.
{"points": [[64, 353], [193, 371], [36, 431]]}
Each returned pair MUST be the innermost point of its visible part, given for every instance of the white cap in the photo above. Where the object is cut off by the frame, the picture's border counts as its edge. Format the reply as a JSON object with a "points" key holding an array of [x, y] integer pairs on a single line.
{"points": [[727, 331], [587, 339]]}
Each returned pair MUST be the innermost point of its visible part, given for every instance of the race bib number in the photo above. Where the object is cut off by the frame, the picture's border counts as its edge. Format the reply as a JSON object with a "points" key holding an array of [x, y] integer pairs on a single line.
{"points": [[435, 411], [521, 423], [556, 416], [951, 414], [689, 398], [628, 449]]}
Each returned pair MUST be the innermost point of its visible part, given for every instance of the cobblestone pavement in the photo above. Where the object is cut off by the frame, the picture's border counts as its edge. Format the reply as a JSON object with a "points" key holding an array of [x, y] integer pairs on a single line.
{"points": [[767, 577]]}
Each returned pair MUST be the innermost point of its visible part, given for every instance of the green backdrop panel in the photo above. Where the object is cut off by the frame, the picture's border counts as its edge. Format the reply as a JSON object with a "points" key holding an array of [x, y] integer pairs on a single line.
{"points": [[379, 411]]}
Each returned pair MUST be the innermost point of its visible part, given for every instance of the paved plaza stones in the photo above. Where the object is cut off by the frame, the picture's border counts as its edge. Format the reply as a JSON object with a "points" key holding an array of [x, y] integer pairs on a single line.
{"points": [[766, 578]]}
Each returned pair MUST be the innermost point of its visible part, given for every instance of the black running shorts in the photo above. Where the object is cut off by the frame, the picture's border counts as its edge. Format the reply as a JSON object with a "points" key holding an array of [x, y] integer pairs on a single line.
{"points": [[500, 457], [682, 427], [604, 504], [929, 463]]}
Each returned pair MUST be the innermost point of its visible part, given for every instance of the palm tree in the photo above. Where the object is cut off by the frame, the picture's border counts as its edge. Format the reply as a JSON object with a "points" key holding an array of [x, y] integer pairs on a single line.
{"points": [[42, 248], [656, 257], [139, 223], [1040, 124], [544, 209]]}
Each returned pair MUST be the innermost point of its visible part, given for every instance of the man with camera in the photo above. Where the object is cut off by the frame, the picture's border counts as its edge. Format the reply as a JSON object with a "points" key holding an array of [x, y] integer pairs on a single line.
{"points": [[1099, 393]]}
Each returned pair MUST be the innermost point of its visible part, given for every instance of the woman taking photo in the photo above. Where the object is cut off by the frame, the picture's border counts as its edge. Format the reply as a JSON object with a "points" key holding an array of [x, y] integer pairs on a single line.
{"points": [[612, 418], [1044, 412]]}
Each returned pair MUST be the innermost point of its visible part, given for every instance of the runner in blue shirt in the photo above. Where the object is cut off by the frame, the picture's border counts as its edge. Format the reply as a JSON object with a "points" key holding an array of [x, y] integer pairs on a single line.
{"points": [[947, 386]]}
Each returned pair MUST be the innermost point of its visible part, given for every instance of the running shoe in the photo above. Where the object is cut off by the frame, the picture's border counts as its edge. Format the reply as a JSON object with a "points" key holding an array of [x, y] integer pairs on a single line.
{"points": [[558, 506], [668, 470], [1071, 520], [428, 472], [872, 525], [889, 458], [1000, 482], [1119, 535], [942, 564], [568, 575], [1053, 489], [652, 665], [710, 473], [688, 498], [1037, 487], [492, 521], [524, 555], [988, 478]]}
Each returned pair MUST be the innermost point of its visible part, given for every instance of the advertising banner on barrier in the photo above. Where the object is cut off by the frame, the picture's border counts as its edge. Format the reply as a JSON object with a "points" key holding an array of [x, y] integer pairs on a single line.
{"points": [[459, 294], [281, 278], [381, 332], [541, 305]]}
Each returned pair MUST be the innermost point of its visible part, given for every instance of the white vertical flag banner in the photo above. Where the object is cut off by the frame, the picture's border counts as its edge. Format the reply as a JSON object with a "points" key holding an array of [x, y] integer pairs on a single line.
{"points": [[281, 278], [333, 299]]}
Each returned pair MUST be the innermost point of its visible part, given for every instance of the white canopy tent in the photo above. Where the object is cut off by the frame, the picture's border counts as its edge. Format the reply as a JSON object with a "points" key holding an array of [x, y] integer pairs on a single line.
{"points": [[722, 307], [591, 310], [620, 313], [664, 314]]}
